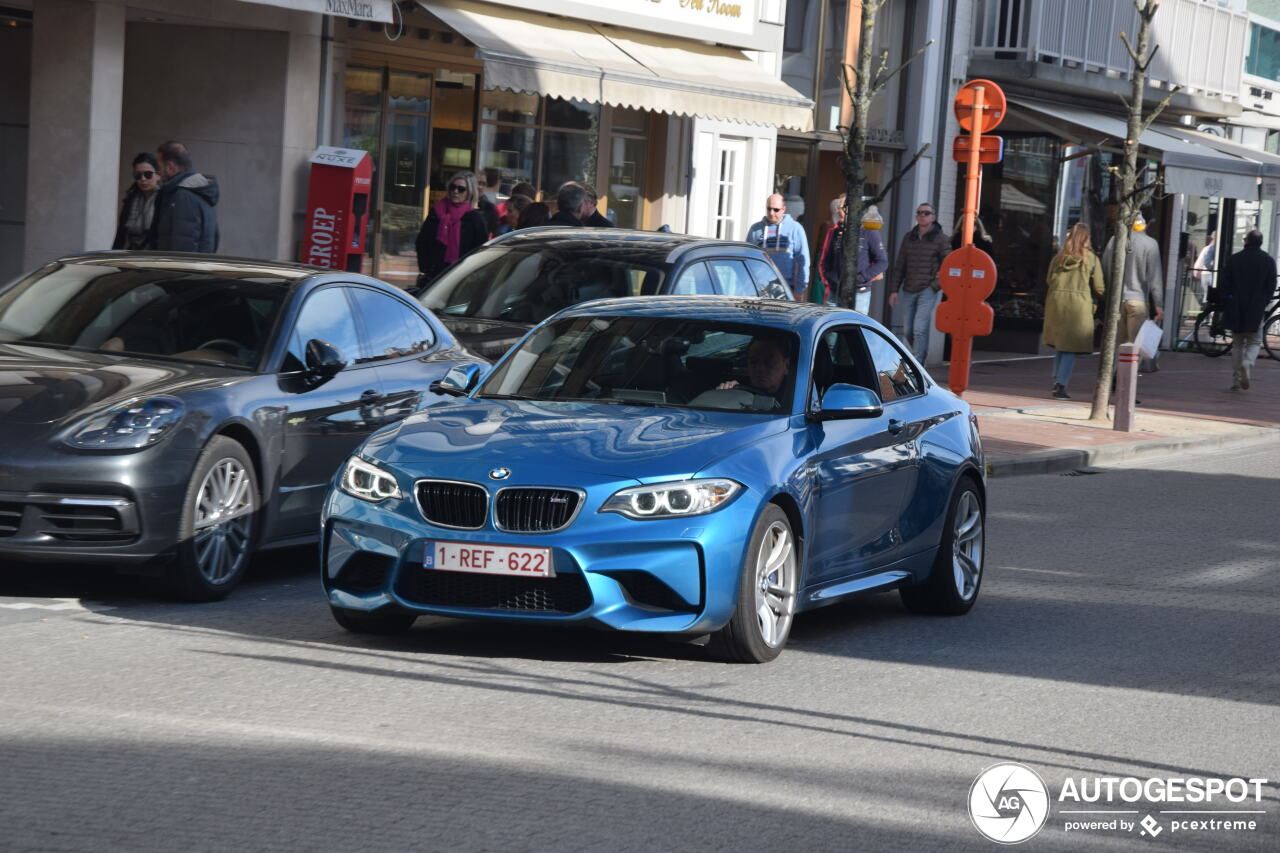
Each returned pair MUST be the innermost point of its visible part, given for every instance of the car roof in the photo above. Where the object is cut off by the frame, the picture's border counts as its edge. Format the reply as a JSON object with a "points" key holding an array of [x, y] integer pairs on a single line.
{"points": [[283, 271], [777, 313], [653, 246]]}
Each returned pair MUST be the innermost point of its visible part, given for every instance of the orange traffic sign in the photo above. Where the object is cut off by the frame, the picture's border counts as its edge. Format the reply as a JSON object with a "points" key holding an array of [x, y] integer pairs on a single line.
{"points": [[968, 277], [990, 149], [993, 105]]}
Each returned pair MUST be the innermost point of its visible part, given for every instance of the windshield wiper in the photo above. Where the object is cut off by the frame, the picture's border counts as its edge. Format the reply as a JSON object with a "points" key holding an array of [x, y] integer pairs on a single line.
{"points": [[505, 397]]}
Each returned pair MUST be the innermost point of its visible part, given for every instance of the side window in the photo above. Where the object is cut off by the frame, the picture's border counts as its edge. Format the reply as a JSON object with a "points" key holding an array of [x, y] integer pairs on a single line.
{"points": [[694, 279], [767, 279], [732, 276], [392, 329], [896, 377], [840, 357], [326, 315]]}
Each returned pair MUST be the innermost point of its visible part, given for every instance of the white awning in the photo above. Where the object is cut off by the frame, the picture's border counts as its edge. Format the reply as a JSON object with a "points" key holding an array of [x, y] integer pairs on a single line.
{"points": [[530, 52], [1189, 166], [364, 10]]}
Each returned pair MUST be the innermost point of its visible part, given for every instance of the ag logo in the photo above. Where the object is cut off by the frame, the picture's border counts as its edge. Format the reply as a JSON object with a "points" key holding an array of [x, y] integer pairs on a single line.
{"points": [[1008, 803]]}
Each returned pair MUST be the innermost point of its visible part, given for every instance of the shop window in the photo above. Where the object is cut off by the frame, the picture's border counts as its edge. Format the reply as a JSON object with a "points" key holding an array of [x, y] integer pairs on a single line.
{"points": [[572, 115], [626, 120], [511, 152], [452, 128], [1264, 52], [510, 107], [833, 45], [562, 147], [627, 164], [791, 178], [799, 60], [409, 92]]}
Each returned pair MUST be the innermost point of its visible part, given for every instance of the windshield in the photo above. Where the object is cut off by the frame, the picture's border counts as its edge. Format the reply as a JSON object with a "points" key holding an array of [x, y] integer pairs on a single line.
{"points": [[529, 284], [180, 314], [652, 361]]}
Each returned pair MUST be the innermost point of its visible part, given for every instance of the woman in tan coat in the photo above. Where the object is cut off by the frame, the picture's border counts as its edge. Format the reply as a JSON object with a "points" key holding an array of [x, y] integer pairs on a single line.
{"points": [[1075, 275]]}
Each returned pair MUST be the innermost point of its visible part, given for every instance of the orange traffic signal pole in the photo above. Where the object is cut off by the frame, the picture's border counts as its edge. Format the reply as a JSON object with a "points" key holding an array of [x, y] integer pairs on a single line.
{"points": [[973, 177]]}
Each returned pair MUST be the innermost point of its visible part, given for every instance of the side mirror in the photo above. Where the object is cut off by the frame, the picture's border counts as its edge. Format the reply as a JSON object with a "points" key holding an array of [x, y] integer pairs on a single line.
{"points": [[844, 402], [324, 361], [459, 381]]}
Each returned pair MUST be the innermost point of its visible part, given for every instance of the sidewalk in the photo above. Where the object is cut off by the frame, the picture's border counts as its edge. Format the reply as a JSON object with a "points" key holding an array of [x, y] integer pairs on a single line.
{"points": [[1185, 404]]}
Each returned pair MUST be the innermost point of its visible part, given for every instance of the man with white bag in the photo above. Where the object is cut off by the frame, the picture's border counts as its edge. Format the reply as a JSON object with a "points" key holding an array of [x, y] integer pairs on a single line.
{"points": [[1143, 282]]}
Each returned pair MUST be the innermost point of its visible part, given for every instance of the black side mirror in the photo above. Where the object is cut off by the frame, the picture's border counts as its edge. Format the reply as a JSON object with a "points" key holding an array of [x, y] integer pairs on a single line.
{"points": [[844, 402], [459, 381], [324, 361]]}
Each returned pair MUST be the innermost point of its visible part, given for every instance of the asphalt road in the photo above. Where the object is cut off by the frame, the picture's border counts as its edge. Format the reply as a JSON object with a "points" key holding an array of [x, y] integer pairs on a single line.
{"points": [[1127, 628]]}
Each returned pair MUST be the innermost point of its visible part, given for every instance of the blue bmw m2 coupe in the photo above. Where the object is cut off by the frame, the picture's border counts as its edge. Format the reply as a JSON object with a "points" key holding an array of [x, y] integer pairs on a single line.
{"points": [[685, 465]]}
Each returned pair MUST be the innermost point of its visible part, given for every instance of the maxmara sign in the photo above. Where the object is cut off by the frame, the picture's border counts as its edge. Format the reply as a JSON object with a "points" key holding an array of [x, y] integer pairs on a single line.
{"points": [[731, 22], [364, 10]]}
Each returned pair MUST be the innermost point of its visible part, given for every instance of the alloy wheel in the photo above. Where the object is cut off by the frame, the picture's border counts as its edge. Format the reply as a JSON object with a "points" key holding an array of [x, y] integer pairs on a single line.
{"points": [[223, 520], [776, 584], [966, 545]]}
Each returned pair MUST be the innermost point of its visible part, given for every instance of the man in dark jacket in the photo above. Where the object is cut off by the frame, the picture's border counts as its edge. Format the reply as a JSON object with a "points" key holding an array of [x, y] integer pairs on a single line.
{"points": [[915, 274], [591, 215], [1247, 282], [570, 202], [185, 220]]}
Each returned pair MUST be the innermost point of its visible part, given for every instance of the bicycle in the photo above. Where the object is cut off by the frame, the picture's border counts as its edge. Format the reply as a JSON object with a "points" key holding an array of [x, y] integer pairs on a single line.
{"points": [[1213, 340]]}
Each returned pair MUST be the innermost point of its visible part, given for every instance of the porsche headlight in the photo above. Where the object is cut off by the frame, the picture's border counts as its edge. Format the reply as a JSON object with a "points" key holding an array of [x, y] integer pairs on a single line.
{"points": [[367, 481], [672, 500], [132, 425]]}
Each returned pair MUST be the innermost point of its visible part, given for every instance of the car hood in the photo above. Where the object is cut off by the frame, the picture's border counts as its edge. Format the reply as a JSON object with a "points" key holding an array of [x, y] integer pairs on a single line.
{"points": [[40, 385], [487, 338], [543, 442]]}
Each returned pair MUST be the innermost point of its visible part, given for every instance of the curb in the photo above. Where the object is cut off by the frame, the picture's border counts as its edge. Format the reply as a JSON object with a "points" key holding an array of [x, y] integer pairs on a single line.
{"points": [[1069, 459]]}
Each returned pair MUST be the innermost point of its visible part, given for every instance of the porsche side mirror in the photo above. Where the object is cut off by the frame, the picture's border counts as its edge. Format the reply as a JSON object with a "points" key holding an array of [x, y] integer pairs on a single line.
{"points": [[845, 402], [459, 381], [324, 361]]}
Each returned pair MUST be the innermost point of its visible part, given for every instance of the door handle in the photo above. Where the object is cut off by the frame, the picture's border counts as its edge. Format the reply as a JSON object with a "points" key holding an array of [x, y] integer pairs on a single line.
{"points": [[896, 426]]}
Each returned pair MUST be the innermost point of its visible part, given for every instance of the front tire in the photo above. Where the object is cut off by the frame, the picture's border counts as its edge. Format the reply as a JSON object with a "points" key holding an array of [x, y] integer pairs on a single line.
{"points": [[1208, 343], [218, 524], [385, 622], [766, 603], [953, 583], [1271, 337]]}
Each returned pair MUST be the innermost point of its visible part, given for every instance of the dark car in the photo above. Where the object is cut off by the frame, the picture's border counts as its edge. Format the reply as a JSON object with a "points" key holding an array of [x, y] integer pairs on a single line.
{"points": [[501, 290], [170, 414]]}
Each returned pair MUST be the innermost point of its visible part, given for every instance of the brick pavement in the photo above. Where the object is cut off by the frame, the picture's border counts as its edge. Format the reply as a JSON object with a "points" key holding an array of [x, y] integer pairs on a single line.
{"points": [[1186, 403]]}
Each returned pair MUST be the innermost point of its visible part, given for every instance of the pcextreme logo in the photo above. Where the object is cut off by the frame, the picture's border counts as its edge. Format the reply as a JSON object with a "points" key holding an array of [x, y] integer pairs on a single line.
{"points": [[1009, 803]]}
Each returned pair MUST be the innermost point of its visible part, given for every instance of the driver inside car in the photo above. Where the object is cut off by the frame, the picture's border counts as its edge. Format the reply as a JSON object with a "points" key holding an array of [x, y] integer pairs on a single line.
{"points": [[768, 363]]}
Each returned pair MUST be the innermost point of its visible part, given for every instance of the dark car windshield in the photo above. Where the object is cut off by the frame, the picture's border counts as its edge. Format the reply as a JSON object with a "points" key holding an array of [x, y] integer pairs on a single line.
{"points": [[652, 361], [528, 284], [149, 311]]}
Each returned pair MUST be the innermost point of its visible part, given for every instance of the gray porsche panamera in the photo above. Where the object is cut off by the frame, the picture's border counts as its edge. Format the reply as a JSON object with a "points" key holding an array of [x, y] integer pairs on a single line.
{"points": [[171, 414]]}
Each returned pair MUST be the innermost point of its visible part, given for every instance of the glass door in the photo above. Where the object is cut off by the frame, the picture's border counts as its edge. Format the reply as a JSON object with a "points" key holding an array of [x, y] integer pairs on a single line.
{"points": [[405, 178]]}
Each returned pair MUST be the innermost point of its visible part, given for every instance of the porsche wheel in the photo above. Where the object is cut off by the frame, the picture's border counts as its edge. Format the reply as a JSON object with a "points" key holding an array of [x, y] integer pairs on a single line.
{"points": [[218, 524]]}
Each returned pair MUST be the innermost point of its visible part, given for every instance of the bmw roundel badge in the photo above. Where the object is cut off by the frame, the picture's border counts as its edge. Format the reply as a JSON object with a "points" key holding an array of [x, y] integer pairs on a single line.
{"points": [[499, 473]]}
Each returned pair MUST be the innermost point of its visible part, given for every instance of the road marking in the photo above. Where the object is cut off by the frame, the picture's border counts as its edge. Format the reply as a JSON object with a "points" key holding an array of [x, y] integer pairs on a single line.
{"points": [[56, 604]]}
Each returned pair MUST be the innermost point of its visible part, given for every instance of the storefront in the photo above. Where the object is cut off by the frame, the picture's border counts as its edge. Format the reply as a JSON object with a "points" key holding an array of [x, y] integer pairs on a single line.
{"points": [[670, 129], [1060, 167]]}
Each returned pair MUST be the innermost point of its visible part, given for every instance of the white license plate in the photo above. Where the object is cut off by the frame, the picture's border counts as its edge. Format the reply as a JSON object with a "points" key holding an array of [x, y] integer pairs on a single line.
{"points": [[510, 560]]}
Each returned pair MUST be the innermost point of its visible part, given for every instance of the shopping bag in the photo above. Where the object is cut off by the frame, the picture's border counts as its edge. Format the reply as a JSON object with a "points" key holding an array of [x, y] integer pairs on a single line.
{"points": [[1148, 339]]}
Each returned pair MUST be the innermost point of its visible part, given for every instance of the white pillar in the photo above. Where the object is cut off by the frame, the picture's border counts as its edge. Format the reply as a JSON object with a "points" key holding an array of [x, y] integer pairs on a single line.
{"points": [[77, 82]]}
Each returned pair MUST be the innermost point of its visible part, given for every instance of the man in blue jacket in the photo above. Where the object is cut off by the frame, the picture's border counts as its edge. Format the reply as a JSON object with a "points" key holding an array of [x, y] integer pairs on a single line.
{"points": [[785, 241], [185, 220]]}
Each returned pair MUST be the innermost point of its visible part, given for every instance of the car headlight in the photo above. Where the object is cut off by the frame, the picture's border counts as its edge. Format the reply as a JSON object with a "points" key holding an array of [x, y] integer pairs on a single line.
{"points": [[672, 500], [367, 481], [132, 425]]}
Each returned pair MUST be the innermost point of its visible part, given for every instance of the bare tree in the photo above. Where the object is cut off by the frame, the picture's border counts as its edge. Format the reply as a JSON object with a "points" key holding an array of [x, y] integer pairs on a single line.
{"points": [[1132, 196], [863, 85]]}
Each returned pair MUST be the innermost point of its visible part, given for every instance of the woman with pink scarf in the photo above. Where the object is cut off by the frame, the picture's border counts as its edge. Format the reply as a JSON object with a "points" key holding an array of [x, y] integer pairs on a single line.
{"points": [[454, 227]]}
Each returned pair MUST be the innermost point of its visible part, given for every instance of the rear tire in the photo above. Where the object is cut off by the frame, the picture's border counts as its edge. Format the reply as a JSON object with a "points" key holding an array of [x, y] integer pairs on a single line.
{"points": [[219, 523], [385, 622], [767, 588], [1208, 343], [953, 583], [1271, 337]]}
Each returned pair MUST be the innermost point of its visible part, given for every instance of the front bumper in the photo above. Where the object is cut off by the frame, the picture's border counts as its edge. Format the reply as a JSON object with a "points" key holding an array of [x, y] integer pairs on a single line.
{"points": [[672, 575]]}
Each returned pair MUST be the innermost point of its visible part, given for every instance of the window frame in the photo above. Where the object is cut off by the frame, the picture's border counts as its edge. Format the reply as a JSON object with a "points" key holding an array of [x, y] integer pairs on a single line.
{"points": [[366, 338], [922, 383]]}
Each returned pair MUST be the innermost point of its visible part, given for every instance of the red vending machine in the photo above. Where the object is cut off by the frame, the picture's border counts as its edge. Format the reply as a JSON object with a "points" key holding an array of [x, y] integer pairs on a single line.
{"points": [[337, 204]]}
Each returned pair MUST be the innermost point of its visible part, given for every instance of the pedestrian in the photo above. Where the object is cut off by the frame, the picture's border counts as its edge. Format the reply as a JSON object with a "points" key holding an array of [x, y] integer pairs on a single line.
{"points": [[185, 219], [534, 215], [981, 238], [592, 217], [571, 201], [1074, 283], [453, 228], [873, 260], [1202, 269], [1247, 281], [487, 199], [137, 211], [1143, 287], [785, 241], [915, 276], [512, 209]]}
